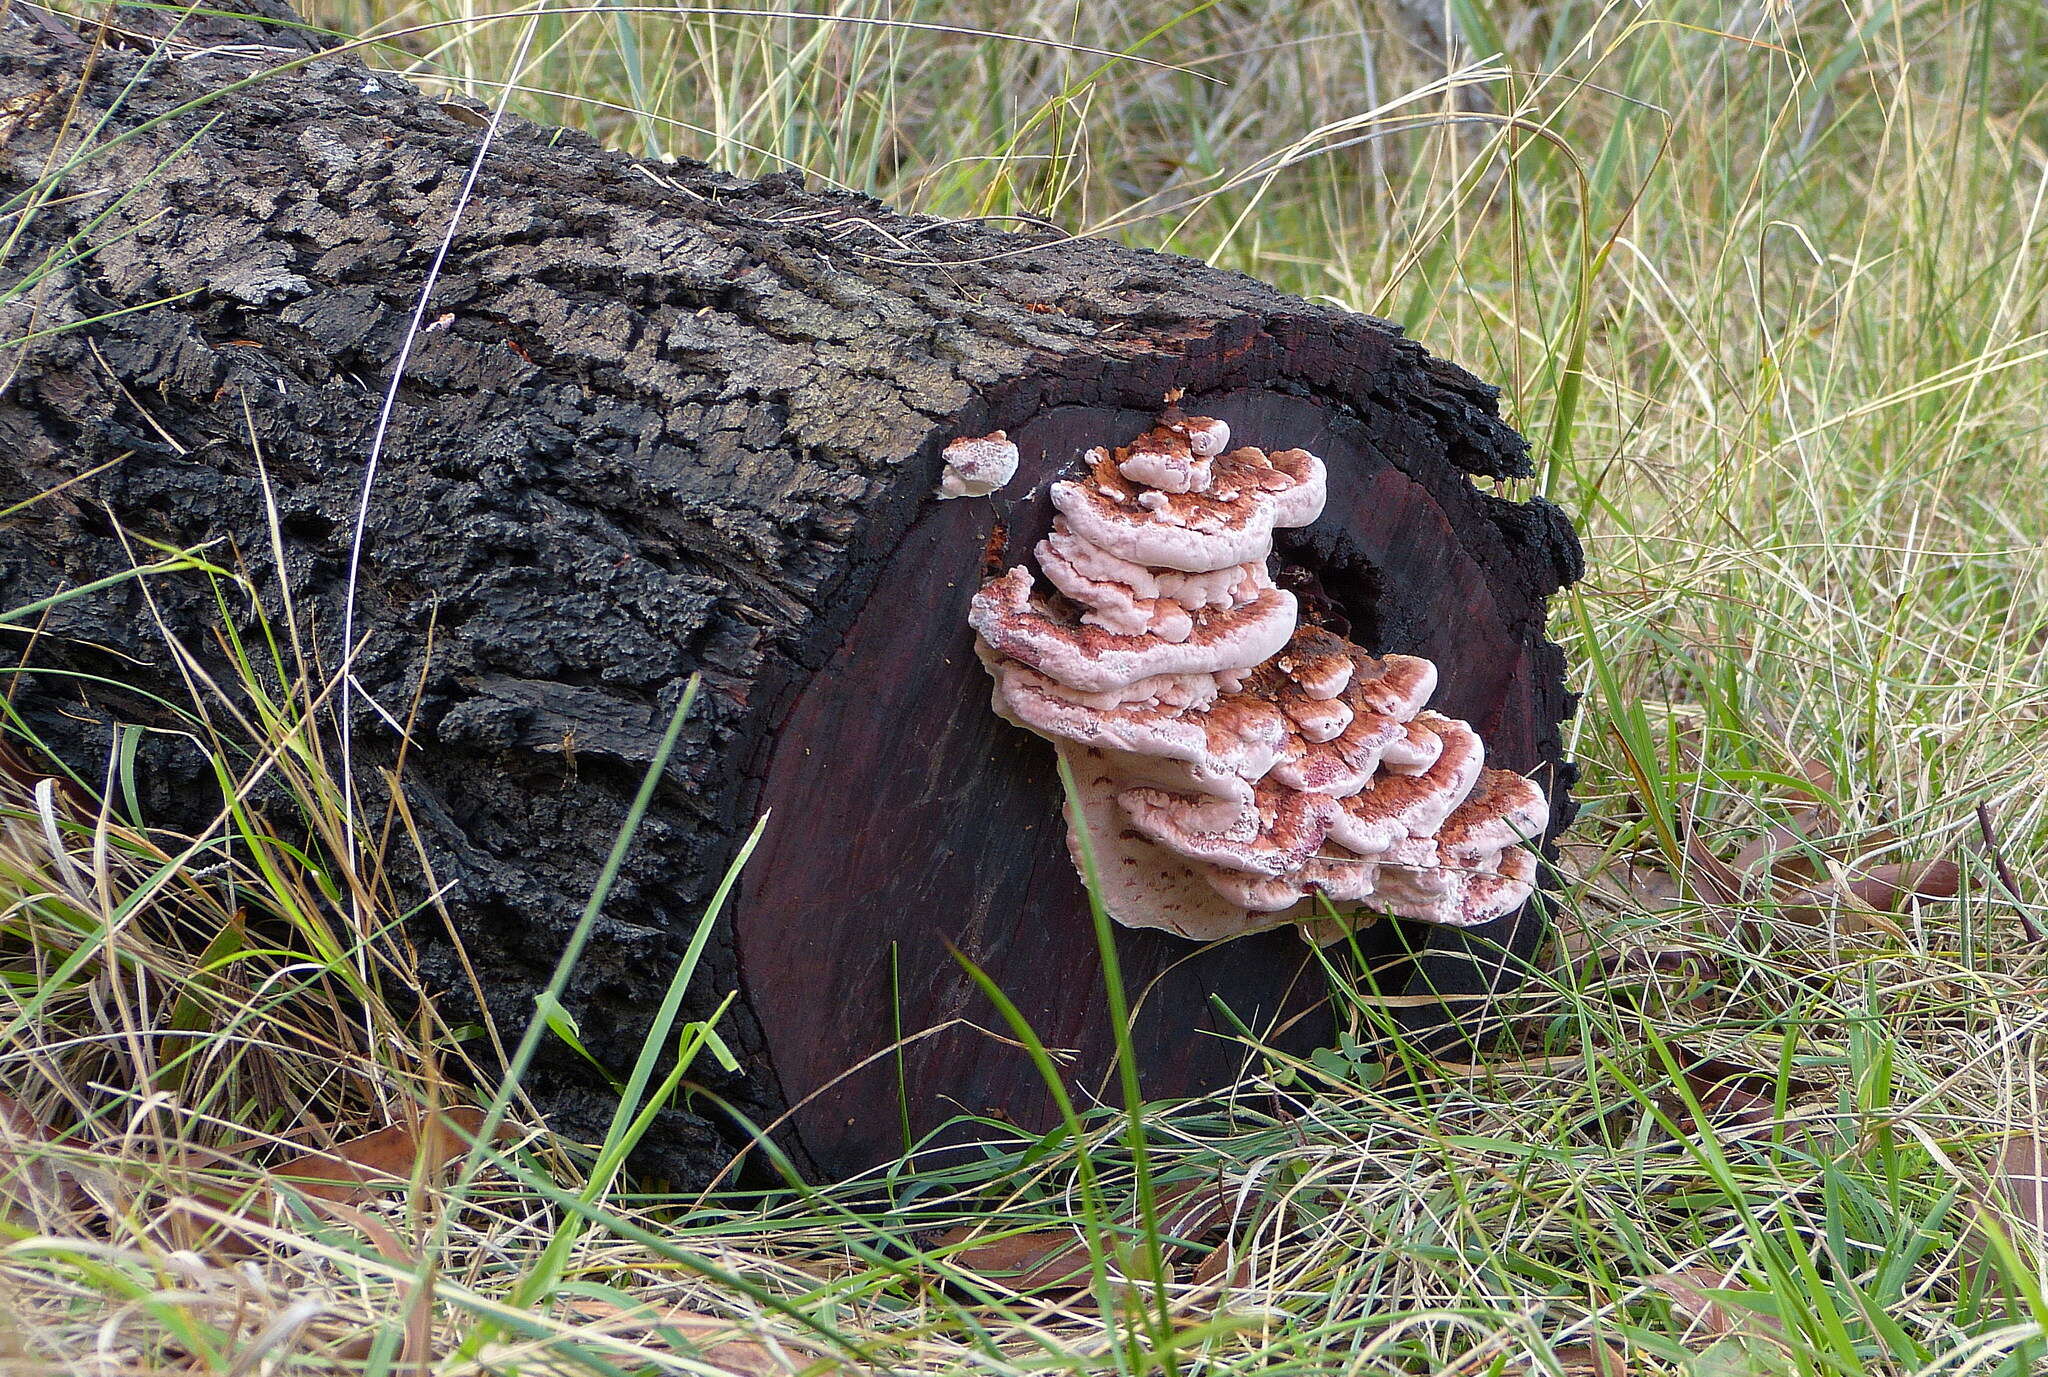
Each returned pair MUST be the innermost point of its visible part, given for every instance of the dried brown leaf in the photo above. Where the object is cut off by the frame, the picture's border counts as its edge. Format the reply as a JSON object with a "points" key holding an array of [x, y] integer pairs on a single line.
{"points": [[1630, 886], [1649, 886], [1192, 1210], [330, 1180], [1622, 882], [417, 1352], [1786, 845], [381, 1235], [357, 1169], [1222, 1267], [1881, 889], [2015, 1193], [1187, 1211], [1596, 1358], [1717, 881], [29, 1176], [1690, 1290], [705, 1336], [1820, 780], [1710, 877], [2021, 1171], [16, 1118], [1737, 1100], [1602, 956], [1689, 1298], [1030, 1261]]}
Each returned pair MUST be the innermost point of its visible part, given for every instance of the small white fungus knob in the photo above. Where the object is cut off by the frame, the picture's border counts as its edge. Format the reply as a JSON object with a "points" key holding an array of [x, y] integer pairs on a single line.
{"points": [[977, 465]]}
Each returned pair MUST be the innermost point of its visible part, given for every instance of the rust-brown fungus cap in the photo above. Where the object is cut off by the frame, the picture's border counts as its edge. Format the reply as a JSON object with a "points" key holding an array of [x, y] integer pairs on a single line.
{"points": [[1476, 867], [1133, 600], [1177, 455], [1053, 639], [1398, 806], [1281, 829], [1334, 873], [1504, 811], [1229, 523]]}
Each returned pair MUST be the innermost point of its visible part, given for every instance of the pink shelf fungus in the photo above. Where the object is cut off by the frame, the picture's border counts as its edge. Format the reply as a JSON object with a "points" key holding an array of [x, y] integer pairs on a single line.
{"points": [[977, 465], [1237, 769]]}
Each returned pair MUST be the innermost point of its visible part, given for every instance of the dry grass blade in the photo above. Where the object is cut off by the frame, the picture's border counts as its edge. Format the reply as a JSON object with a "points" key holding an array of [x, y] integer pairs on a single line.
{"points": [[276, 1338]]}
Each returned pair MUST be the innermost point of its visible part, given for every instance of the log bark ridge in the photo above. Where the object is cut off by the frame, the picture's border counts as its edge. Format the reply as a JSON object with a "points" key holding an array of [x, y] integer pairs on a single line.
{"points": [[662, 422]]}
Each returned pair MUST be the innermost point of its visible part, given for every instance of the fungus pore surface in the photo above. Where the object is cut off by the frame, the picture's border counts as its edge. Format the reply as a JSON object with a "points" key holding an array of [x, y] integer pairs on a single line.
{"points": [[1237, 769]]}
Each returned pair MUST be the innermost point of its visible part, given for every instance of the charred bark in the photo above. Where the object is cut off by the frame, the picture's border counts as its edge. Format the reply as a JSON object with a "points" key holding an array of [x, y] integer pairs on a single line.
{"points": [[665, 422]]}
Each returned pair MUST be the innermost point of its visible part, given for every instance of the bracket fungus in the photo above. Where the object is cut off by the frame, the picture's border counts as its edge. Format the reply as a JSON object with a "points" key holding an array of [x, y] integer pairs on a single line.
{"points": [[1235, 768], [977, 465]]}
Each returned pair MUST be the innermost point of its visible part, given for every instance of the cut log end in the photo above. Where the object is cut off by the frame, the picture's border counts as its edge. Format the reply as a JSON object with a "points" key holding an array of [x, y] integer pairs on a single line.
{"points": [[917, 823]]}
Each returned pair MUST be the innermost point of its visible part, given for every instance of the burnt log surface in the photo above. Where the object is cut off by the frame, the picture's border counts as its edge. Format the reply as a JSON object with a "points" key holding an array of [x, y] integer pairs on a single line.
{"points": [[668, 421]]}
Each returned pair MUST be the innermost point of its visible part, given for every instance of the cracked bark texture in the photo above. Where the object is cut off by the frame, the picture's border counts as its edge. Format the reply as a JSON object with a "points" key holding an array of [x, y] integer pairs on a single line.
{"points": [[667, 421]]}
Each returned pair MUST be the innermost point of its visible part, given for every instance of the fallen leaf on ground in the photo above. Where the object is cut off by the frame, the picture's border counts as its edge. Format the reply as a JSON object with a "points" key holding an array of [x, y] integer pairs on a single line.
{"points": [[1717, 881], [1882, 889], [2022, 1175], [1604, 956], [1602, 951], [357, 1169], [224, 1194], [30, 1177], [1621, 882], [1187, 1211], [1597, 1358], [1029, 1261], [1736, 1097], [1820, 780], [2015, 1195], [645, 1324], [1693, 1294], [1788, 846], [1220, 1268], [381, 1235]]}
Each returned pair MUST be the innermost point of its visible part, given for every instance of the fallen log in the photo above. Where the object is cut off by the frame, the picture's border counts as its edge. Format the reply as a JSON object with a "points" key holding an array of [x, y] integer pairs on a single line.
{"points": [[655, 421]]}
